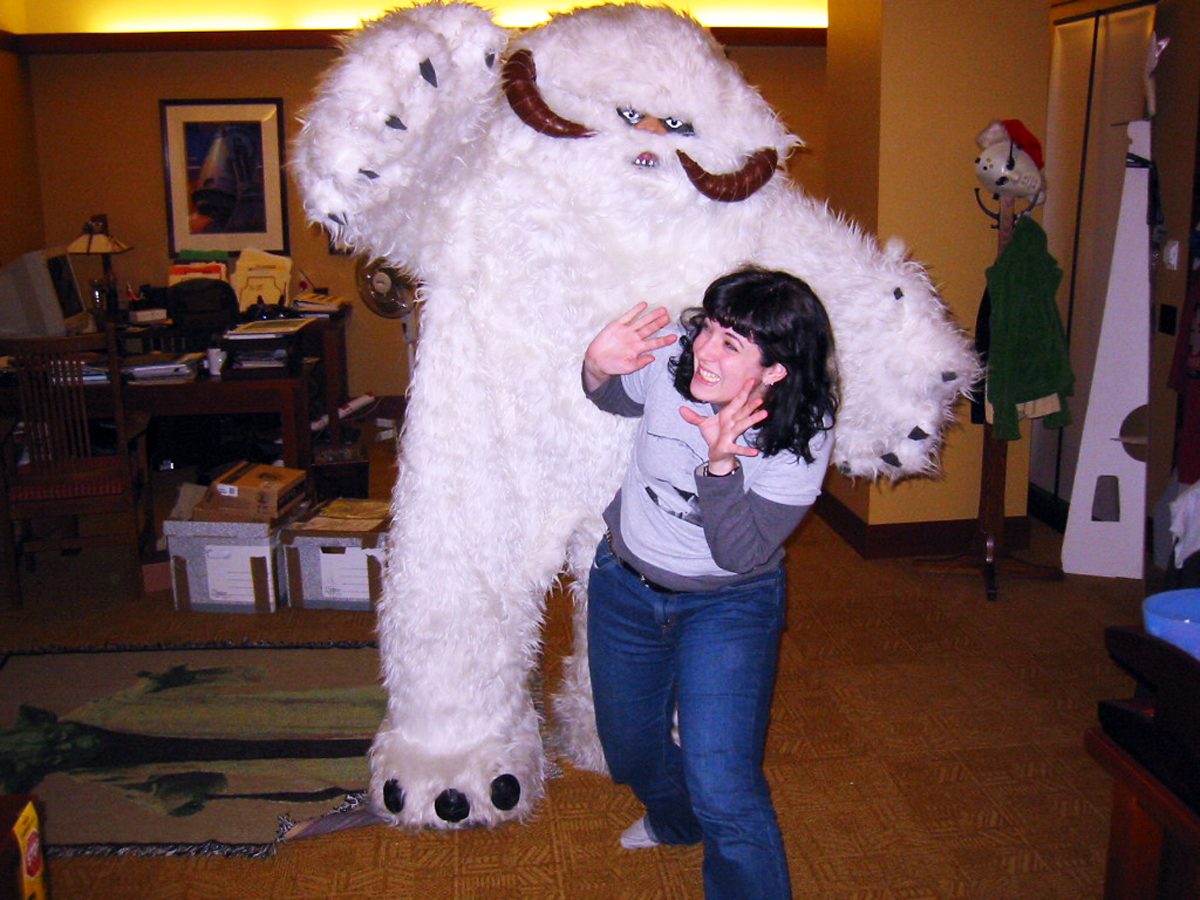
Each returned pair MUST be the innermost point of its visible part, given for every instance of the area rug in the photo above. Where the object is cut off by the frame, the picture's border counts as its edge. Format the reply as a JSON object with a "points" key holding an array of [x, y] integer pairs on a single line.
{"points": [[197, 749]]}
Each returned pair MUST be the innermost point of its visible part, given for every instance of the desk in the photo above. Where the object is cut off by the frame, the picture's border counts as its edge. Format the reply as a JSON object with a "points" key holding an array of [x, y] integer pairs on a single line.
{"points": [[1154, 839], [286, 396], [324, 338]]}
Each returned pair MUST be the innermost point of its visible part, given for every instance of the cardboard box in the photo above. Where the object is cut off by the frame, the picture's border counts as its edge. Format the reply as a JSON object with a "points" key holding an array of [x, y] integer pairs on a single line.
{"points": [[225, 566], [336, 555], [22, 863], [252, 493]]}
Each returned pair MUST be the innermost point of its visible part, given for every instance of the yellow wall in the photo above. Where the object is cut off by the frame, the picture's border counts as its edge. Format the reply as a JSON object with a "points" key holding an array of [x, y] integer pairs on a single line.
{"points": [[99, 150], [911, 82], [12, 15]]}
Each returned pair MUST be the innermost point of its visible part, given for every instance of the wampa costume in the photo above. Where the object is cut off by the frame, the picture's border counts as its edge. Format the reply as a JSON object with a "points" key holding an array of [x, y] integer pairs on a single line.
{"points": [[507, 171]]}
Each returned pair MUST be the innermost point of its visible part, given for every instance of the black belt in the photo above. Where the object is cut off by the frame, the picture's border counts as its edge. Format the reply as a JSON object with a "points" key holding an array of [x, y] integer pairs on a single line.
{"points": [[653, 585]]}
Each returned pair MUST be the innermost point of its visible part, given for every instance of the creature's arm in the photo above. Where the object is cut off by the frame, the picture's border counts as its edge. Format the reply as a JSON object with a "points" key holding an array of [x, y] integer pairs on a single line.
{"points": [[392, 124]]}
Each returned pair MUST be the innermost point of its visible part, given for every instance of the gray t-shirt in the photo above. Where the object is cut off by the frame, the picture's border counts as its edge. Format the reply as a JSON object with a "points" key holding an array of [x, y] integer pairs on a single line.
{"points": [[687, 531]]}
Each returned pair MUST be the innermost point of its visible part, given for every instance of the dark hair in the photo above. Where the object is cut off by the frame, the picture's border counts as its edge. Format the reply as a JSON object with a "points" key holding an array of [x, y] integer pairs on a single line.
{"points": [[788, 324]]}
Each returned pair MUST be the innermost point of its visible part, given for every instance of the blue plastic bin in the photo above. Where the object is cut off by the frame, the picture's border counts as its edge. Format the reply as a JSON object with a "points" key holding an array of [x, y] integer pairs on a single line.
{"points": [[1174, 616]]}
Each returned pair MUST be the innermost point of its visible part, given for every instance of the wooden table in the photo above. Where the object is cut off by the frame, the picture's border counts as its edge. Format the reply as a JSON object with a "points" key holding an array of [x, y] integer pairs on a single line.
{"points": [[1154, 838], [288, 396]]}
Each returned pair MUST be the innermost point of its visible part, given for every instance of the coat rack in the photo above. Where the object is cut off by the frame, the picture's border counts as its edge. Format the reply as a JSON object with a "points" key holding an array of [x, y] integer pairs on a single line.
{"points": [[988, 556]]}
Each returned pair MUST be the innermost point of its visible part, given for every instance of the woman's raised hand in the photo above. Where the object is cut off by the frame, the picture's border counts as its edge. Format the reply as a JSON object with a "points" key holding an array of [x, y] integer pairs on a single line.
{"points": [[624, 345], [721, 431]]}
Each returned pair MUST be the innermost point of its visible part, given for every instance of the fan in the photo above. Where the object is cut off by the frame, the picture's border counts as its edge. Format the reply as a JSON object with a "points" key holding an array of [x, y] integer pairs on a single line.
{"points": [[387, 291]]}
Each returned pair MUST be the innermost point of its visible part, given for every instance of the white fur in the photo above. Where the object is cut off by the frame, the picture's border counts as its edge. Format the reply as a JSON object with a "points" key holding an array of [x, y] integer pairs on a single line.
{"points": [[526, 245]]}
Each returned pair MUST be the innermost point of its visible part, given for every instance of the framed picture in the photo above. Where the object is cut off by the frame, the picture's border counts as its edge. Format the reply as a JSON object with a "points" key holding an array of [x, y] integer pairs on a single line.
{"points": [[223, 163]]}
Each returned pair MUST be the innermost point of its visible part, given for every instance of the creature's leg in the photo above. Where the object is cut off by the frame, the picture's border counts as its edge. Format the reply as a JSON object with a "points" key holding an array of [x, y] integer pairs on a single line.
{"points": [[574, 713], [460, 744]]}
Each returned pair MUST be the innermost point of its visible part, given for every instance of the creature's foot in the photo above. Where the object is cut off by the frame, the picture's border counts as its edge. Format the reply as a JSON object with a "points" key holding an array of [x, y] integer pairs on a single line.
{"points": [[492, 783]]}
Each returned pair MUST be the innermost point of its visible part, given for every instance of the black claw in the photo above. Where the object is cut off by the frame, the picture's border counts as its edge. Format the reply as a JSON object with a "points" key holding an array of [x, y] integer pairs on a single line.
{"points": [[394, 122], [506, 791], [427, 72], [891, 459], [452, 805], [367, 173], [338, 218], [489, 59], [917, 434], [393, 796], [897, 293]]}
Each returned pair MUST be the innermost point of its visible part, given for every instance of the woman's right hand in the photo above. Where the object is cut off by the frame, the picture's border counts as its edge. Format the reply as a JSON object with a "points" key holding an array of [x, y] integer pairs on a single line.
{"points": [[624, 345]]}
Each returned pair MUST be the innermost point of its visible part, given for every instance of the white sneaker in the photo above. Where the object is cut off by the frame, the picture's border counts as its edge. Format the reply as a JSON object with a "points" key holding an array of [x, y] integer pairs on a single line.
{"points": [[638, 836]]}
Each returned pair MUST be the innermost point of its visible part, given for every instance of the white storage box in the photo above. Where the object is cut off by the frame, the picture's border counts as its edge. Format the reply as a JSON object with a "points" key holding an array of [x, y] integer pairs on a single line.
{"points": [[335, 555], [225, 566]]}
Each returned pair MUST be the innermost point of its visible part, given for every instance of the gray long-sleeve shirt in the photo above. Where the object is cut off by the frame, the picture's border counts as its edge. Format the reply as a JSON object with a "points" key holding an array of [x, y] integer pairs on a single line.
{"points": [[688, 531]]}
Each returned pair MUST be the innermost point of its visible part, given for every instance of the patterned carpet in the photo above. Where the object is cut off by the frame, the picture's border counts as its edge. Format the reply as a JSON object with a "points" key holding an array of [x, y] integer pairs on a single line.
{"points": [[925, 744]]}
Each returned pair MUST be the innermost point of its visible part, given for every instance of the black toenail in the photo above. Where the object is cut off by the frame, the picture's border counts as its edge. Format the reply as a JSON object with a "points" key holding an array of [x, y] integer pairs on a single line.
{"points": [[506, 791], [452, 805], [393, 796]]}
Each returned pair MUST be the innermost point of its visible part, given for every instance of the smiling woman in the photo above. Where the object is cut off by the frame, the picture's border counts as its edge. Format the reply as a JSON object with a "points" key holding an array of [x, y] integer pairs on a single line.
{"points": [[78, 16]]}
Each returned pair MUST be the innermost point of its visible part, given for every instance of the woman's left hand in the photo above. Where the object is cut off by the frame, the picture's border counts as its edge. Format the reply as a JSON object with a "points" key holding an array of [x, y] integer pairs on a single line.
{"points": [[722, 430]]}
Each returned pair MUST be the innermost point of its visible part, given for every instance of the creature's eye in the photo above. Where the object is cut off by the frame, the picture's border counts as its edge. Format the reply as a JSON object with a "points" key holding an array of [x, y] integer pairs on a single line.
{"points": [[678, 126], [631, 116]]}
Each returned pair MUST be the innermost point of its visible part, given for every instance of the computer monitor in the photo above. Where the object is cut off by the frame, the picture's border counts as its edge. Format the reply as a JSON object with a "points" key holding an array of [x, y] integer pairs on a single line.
{"points": [[39, 296]]}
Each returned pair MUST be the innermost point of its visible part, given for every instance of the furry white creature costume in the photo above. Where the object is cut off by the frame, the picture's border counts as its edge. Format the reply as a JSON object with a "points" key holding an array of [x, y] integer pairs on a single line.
{"points": [[539, 184]]}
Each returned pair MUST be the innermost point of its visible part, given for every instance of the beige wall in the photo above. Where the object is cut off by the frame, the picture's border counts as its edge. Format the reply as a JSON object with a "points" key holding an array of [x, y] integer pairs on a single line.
{"points": [[21, 206], [911, 82], [99, 150], [793, 81]]}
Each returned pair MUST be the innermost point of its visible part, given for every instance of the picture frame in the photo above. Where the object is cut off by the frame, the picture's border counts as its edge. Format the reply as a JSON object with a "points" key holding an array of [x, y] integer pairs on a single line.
{"points": [[223, 166]]}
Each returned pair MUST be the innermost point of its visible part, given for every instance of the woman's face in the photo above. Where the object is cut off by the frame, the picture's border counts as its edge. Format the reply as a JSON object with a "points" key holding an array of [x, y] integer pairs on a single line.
{"points": [[724, 361]]}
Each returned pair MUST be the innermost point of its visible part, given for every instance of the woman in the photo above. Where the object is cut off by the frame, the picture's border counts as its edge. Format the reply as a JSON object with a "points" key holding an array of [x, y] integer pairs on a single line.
{"points": [[686, 592]]}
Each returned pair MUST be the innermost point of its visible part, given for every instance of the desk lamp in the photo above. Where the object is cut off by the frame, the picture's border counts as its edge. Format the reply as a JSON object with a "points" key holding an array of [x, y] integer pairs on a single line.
{"points": [[95, 240]]}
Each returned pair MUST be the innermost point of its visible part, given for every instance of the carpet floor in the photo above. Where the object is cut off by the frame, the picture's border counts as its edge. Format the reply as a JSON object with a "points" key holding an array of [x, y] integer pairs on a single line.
{"points": [[925, 745]]}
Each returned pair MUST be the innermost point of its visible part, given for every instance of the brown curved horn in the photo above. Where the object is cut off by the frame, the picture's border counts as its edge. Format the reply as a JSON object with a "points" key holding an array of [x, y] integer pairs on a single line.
{"points": [[732, 187], [520, 87]]}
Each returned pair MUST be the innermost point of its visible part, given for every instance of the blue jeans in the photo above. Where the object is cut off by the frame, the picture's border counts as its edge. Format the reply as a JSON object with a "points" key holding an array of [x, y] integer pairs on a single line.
{"points": [[712, 655]]}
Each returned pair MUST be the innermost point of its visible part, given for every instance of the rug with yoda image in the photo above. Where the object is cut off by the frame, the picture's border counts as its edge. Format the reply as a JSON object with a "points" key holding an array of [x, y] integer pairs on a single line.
{"points": [[188, 749]]}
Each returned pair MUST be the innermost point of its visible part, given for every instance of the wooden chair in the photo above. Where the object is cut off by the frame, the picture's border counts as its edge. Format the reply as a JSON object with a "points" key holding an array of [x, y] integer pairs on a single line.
{"points": [[59, 461]]}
